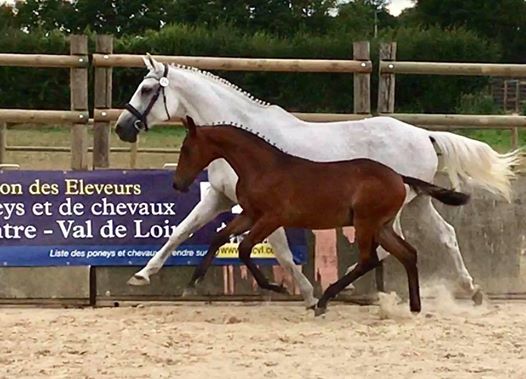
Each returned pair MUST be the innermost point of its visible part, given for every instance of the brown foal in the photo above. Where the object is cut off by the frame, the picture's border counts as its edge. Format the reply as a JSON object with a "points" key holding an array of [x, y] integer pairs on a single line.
{"points": [[276, 189]]}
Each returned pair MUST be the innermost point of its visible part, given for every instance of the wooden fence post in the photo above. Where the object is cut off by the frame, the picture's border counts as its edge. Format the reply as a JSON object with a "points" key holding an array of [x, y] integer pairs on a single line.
{"points": [[362, 82], [102, 100], [79, 102], [386, 83], [3, 141]]}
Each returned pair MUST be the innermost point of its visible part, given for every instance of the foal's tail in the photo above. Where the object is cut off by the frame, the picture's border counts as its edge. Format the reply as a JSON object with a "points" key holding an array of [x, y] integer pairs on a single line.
{"points": [[444, 195]]}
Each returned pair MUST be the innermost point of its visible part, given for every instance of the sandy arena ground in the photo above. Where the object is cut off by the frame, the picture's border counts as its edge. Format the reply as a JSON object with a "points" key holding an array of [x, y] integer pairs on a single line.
{"points": [[447, 340]]}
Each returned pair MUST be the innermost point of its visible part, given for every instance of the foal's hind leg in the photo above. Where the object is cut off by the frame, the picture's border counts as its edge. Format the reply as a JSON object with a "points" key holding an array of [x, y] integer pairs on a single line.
{"points": [[407, 255], [238, 225], [368, 259], [262, 228]]}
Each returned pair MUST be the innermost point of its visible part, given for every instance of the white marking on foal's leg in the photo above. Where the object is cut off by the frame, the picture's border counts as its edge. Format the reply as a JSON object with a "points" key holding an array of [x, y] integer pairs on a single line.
{"points": [[209, 207], [280, 246]]}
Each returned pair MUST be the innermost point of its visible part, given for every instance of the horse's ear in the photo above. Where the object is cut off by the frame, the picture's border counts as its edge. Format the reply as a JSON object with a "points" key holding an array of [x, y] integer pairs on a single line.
{"points": [[189, 124], [148, 62], [151, 64]]}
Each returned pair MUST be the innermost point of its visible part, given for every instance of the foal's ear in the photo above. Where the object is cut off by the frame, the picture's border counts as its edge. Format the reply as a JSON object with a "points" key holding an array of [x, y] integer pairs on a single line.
{"points": [[189, 124]]}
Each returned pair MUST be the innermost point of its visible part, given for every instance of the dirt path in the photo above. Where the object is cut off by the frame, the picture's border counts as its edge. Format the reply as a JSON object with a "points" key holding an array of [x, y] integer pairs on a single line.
{"points": [[448, 340]]}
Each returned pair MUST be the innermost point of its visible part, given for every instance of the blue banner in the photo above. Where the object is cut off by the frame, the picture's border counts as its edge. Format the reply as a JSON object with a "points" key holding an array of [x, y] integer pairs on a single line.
{"points": [[106, 218]]}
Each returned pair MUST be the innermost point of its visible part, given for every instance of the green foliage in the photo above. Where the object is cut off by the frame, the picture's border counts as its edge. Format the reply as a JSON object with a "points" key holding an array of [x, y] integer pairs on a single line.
{"points": [[48, 88], [478, 103], [432, 94], [501, 21], [31, 87]]}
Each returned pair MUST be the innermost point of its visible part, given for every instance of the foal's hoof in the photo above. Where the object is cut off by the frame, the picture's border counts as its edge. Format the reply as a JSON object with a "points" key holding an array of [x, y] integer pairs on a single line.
{"points": [[189, 291], [278, 288], [319, 311], [478, 297]]}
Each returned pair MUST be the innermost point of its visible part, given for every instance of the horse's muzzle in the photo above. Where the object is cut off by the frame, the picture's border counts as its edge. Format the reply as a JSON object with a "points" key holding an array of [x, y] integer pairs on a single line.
{"points": [[125, 134]]}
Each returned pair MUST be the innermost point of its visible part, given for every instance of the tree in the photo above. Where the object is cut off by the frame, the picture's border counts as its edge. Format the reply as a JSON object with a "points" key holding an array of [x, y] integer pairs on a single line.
{"points": [[503, 21], [364, 17]]}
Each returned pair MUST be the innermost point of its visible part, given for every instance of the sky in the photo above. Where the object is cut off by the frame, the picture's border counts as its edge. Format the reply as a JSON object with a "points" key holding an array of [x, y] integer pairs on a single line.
{"points": [[398, 6]]}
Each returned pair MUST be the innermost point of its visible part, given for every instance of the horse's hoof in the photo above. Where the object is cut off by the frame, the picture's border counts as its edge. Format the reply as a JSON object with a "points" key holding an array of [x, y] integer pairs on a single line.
{"points": [[478, 297], [311, 305], [189, 291], [319, 311], [138, 280]]}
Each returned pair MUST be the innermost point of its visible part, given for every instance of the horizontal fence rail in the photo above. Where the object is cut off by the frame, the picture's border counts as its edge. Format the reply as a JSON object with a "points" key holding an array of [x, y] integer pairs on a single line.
{"points": [[66, 149], [239, 64], [40, 60], [110, 115], [43, 117], [443, 68], [459, 121]]}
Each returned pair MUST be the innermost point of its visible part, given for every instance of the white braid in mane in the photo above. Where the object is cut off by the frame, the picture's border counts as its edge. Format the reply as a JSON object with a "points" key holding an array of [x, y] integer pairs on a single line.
{"points": [[254, 133], [222, 81]]}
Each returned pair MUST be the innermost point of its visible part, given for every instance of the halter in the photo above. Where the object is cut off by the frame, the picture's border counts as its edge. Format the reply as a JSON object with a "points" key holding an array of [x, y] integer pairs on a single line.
{"points": [[141, 122]]}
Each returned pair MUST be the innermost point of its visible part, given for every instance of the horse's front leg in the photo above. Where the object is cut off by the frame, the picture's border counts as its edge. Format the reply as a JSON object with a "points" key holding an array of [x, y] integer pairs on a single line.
{"points": [[262, 228], [280, 246], [212, 204], [238, 225]]}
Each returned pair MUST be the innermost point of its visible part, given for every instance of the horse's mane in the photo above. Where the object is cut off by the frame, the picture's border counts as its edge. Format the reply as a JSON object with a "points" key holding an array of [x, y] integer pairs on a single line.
{"points": [[245, 129], [224, 82]]}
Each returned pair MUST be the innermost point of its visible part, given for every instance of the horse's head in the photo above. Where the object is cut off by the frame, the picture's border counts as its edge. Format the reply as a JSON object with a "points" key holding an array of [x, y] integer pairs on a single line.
{"points": [[154, 100], [196, 154]]}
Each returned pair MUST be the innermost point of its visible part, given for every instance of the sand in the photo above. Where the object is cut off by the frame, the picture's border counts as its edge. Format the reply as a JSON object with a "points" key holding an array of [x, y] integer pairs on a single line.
{"points": [[272, 340]]}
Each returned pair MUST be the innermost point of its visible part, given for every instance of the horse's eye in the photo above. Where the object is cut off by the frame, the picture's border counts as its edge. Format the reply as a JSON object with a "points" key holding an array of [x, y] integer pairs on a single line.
{"points": [[146, 90]]}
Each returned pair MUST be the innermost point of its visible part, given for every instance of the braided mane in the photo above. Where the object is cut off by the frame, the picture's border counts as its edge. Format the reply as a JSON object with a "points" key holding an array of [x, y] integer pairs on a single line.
{"points": [[221, 81], [242, 127]]}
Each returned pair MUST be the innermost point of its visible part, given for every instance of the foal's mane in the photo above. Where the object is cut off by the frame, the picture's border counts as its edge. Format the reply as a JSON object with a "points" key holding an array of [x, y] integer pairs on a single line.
{"points": [[219, 80], [247, 130]]}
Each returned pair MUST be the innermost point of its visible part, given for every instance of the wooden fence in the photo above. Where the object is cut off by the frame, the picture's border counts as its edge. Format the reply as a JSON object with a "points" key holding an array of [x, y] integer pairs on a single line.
{"points": [[389, 67], [78, 116]]}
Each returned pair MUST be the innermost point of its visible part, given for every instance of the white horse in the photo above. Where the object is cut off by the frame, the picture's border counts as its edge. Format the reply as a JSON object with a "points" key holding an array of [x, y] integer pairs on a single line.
{"points": [[407, 149]]}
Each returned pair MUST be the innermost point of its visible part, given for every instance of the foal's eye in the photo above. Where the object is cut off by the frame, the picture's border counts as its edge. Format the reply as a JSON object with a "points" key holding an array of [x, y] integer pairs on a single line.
{"points": [[146, 90]]}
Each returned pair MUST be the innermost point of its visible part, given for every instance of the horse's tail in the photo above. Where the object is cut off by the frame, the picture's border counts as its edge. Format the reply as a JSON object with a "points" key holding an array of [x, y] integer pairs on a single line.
{"points": [[444, 195], [477, 161]]}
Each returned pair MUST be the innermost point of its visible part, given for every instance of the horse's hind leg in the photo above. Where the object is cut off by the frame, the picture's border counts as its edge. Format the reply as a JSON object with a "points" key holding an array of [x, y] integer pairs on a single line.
{"points": [[435, 226], [368, 259], [407, 255], [238, 225], [262, 228]]}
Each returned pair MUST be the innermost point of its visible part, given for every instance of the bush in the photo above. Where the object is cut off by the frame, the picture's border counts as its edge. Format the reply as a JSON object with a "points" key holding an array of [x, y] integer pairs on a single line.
{"points": [[438, 94], [318, 92], [478, 103]]}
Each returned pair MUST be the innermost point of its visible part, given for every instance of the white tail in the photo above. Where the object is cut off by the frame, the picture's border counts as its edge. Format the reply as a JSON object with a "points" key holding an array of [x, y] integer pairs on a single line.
{"points": [[477, 162]]}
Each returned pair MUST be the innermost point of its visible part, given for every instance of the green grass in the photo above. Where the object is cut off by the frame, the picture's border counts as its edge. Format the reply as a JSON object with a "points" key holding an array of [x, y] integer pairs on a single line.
{"points": [[500, 140]]}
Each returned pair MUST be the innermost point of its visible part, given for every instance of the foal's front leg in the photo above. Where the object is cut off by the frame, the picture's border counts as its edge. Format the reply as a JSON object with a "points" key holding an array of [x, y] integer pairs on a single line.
{"points": [[238, 225], [262, 228]]}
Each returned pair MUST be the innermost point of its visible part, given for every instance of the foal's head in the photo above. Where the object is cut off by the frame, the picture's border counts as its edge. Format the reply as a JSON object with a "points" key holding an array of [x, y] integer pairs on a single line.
{"points": [[196, 154]]}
